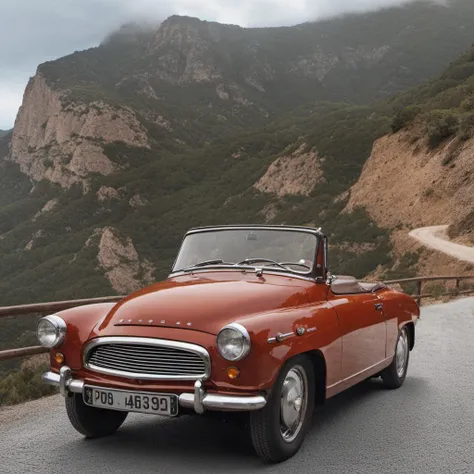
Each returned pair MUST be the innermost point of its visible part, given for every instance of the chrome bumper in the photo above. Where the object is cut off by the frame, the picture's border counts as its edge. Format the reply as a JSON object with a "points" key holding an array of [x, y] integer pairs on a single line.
{"points": [[64, 381], [199, 400]]}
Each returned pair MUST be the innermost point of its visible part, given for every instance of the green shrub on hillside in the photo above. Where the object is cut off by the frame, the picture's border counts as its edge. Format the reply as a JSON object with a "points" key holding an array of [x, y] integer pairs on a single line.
{"points": [[468, 104], [460, 72], [440, 125], [405, 117], [23, 385], [466, 125]]}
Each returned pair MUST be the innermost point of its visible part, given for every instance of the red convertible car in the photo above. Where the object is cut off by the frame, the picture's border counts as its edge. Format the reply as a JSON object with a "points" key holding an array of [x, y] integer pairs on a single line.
{"points": [[249, 320]]}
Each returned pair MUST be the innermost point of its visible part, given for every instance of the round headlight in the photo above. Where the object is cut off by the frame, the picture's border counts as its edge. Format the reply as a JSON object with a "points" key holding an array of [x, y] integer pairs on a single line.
{"points": [[51, 331], [233, 342]]}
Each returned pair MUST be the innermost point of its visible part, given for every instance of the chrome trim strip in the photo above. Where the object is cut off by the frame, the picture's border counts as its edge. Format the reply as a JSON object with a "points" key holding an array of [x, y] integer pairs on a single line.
{"points": [[50, 378], [216, 402], [317, 232], [76, 386], [230, 403], [280, 337], [308, 230], [149, 342], [64, 381], [203, 400], [198, 397], [65, 377], [240, 328], [241, 269], [186, 400], [302, 229]]}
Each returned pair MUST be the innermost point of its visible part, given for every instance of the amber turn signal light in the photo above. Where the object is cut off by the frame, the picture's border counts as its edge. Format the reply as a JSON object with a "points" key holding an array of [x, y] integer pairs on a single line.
{"points": [[59, 357], [233, 372]]}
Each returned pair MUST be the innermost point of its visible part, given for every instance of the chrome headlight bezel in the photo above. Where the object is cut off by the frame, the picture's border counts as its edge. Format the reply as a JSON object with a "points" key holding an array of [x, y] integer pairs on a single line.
{"points": [[244, 338], [58, 326]]}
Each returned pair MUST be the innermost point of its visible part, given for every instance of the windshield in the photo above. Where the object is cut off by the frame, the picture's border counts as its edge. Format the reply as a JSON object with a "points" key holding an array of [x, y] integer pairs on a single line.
{"points": [[276, 249]]}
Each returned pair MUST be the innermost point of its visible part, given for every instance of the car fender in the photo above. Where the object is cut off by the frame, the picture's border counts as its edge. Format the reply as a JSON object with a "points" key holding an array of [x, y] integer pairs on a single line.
{"points": [[279, 336], [80, 322]]}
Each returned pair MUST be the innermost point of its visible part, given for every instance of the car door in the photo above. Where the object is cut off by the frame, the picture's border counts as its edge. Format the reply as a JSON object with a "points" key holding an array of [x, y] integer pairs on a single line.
{"points": [[363, 328]]}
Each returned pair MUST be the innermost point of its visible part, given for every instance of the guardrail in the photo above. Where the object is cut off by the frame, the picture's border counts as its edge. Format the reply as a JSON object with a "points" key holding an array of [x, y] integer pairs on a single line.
{"points": [[42, 308], [419, 286]]}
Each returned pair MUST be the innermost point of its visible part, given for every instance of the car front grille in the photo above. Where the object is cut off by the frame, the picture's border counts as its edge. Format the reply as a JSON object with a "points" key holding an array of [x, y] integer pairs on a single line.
{"points": [[143, 358]]}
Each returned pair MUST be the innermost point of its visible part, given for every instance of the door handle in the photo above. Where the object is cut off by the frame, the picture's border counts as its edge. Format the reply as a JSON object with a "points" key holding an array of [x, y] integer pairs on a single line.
{"points": [[378, 306]]}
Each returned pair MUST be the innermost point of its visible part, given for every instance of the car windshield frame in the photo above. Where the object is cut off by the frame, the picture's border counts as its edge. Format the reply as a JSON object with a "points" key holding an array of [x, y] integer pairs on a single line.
{"points": [[311, 274]]}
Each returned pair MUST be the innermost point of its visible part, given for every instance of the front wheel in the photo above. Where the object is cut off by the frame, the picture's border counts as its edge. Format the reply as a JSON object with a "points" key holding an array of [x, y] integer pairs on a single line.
{"points": [[394, 375], [93, 422], [278, 429]]}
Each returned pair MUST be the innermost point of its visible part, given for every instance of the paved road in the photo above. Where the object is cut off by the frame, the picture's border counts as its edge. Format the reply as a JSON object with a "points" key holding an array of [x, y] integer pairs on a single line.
{"points": [[436, 237], [427, 426]]}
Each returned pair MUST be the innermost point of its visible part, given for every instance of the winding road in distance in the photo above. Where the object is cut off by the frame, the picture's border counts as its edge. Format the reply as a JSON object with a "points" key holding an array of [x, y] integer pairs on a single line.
{"points": [[425, 427], [436, 238]]}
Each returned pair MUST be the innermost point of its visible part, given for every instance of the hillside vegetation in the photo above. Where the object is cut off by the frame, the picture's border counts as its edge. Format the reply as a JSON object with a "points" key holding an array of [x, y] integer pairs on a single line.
{"points": [[445, 105], [424, 169]]}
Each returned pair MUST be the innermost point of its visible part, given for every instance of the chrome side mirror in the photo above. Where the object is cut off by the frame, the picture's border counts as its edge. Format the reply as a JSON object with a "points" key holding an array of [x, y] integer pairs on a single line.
{"points": [[330, 278]]}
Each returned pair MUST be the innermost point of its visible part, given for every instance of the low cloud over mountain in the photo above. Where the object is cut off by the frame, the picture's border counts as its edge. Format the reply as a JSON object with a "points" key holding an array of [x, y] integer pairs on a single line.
{"points": [[40, 31]]}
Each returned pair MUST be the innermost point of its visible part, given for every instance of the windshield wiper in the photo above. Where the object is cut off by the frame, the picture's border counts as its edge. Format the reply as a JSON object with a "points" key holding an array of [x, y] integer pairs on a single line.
{"points": [[205, 263], [267, 261]]}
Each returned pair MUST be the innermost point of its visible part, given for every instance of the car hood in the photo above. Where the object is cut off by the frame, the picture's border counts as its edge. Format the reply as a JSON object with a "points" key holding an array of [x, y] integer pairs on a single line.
{"points": [[204, 302]]}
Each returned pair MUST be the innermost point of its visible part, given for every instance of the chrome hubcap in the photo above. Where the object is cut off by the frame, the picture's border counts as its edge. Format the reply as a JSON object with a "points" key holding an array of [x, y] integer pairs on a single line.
{"points": [[401, 354], [293, 403]]}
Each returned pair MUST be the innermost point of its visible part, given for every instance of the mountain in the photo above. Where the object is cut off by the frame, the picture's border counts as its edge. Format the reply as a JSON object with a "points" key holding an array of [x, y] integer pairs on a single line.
{"points": [[190, 82], [424, 171], [117, 150], [3, 133]]}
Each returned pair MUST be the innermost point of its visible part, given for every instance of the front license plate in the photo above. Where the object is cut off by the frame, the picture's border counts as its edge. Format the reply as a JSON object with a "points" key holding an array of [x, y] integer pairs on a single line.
{"points": [[141, 402]]}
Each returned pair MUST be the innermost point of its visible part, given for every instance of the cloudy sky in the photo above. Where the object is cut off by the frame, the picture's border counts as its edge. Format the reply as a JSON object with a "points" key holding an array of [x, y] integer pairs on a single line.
{"points": [[34, 31]]}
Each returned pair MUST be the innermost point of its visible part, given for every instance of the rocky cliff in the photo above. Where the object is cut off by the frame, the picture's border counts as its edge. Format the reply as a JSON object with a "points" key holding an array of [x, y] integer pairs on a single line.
{"points": [[295, 174], [405, 183], [63, 143], [190, 76], [423, 173], [118, 258]]}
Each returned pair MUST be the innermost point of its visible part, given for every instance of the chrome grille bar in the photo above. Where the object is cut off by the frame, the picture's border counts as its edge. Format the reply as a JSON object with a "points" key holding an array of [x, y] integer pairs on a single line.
{"points": [[105, 354], [147, 358], [94, 359]]}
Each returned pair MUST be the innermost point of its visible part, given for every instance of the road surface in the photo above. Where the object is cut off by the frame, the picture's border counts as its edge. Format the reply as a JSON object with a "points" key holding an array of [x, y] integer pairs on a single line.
{"points": [[427, 426], [436, 237]]}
